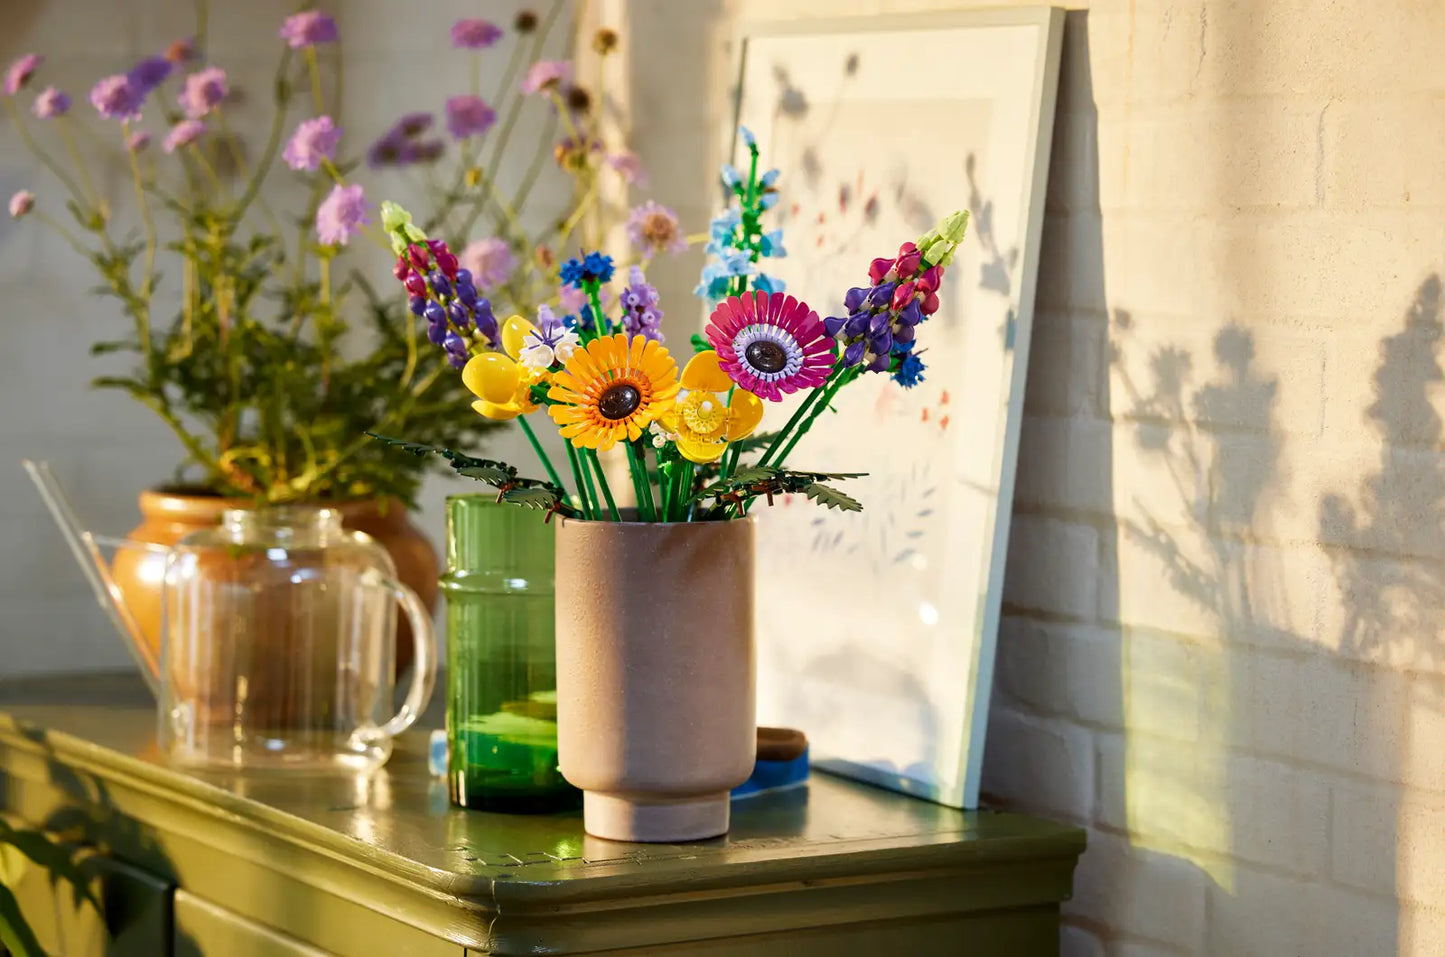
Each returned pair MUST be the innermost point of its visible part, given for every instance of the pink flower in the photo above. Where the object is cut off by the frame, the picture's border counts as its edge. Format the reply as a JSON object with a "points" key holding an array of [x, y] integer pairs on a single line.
{"points": [[490, 261], [340, 214], [629, 166], [138, 141], [653, 229], [546, 75], [307, 29], [115, 98], [21, 203], [313, 141], [475, 34], [770, 344], [571, 299], [469, 116], [182, 134], [18, 74], [203, 91], [50, 104]]}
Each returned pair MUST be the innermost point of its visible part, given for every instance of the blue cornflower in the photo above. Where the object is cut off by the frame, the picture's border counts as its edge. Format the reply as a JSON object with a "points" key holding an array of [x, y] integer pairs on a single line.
{"points": [[748, 137], [571, 273], [910, 371], [768, 284], [593, 267], [771, 244]]}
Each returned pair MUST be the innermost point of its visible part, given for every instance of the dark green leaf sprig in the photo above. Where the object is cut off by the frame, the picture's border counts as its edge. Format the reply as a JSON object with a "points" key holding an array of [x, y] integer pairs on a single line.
{"points": [[511, 488], [753, 481]]}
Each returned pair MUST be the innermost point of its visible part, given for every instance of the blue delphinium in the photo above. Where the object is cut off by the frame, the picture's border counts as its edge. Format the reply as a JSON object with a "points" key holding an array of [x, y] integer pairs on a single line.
{"points": [[735, 239]]}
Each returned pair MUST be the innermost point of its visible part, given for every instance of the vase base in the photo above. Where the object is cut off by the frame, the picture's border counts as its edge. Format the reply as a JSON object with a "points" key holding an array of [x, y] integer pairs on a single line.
{"points": [[617, 818]]}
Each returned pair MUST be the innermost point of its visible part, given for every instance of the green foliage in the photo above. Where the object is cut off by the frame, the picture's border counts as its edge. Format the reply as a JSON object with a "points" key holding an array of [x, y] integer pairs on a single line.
{"points": [[58, 861], [511, 487], [753, 481]]}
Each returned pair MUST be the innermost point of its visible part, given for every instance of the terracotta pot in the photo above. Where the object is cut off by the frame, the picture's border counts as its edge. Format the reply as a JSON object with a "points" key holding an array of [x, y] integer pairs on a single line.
{"points": [[168, 516], [655, 674]]}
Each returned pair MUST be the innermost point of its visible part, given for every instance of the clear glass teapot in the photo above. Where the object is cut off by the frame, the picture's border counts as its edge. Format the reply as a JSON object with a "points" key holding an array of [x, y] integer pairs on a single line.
{"points": [[278, 639]]}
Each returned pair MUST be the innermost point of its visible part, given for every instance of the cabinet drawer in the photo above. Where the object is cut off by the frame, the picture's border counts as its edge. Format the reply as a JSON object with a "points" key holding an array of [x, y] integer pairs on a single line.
{"points": [[205, 930]]}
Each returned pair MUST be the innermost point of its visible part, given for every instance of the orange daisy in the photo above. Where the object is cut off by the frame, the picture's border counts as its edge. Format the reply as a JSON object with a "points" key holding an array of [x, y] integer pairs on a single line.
{"points": [[611, 390]]}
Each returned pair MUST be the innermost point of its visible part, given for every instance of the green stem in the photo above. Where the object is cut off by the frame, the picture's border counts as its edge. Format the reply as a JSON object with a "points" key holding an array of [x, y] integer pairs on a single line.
{"points": [[585, 491], [847, 376], [797, 417], [541, 453], [730, 461], [273, 140], [44, 157], [591, 456], [585, 468], [143, 316], [313, 70], [642, 485]]}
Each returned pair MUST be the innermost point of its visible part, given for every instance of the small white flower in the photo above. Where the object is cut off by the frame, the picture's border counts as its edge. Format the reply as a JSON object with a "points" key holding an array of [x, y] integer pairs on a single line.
{"points": [[540, 353]]}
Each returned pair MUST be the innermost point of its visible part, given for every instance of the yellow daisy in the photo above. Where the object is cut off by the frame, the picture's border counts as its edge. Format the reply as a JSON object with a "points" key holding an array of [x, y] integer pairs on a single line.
{"points": [[705, 419], [503, 386], [612, 390]]}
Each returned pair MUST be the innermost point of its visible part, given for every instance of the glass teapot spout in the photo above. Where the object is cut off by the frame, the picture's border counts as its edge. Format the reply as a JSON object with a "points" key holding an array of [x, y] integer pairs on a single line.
{"points": [[86, 547]]}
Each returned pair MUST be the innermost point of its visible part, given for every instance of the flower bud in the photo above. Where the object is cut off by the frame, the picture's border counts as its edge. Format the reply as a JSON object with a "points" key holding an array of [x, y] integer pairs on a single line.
{"points": [[878, 269], [604, 41], [401, 268], [415, 284], [448, 264], [418, 256], [903, 294]]}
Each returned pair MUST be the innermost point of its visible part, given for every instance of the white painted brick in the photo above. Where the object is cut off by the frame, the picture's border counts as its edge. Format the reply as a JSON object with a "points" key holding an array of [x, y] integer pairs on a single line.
{"points": [[1389, 840], [1059, 669], [1352, 717], [1078, 942], [1134, 948], [1071, 274], [1074, 166], [1052, 566], [1422, 930], [1064, 463], [1151, 894], [1358, 174], [1046, 766], [1067, 370]]}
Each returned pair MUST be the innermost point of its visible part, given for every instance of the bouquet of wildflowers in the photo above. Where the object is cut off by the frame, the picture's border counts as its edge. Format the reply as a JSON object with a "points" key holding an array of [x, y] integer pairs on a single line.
{"points": [[607, 380], [249, 349]]}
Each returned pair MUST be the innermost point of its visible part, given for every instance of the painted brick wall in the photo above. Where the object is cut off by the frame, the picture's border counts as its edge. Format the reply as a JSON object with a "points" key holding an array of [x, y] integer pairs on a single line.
{"points": [[1222, 651]]}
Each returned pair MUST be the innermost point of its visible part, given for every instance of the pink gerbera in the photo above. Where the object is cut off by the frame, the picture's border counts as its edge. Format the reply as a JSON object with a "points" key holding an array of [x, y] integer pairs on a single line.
{"points": [[770, 344]]}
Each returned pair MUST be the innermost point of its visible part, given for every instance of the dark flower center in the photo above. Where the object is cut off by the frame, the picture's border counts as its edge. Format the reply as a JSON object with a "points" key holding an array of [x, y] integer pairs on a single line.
{"points": [[766, 356], [619, 401]]}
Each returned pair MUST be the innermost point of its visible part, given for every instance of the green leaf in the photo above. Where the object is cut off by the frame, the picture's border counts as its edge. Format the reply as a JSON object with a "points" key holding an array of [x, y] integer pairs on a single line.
{"points": [[491, 474], [830, 497], [547, 497], [15, 933], [699, 344]]}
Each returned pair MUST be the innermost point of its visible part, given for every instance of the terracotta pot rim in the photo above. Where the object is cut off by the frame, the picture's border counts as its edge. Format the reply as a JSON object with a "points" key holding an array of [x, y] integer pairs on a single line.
{"points": [[180, 500]]}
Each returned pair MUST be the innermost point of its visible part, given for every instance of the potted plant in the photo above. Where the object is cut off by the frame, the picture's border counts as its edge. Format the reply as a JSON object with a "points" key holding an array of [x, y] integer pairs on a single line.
{"points": [[258, 338], [654, 604]]}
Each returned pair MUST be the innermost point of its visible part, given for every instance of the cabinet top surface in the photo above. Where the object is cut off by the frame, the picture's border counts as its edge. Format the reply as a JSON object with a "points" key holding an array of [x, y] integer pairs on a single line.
{"points": [[400, 821]]}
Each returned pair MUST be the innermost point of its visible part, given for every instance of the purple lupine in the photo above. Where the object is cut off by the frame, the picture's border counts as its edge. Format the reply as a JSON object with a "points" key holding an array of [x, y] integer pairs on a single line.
{"points": [[114, 97], [50, 103], [882, 318], [340, 214], [640, 315], [314, 141], [475, 34], [546, 75], [469, 116], [203, 91], [19, 72], [490, 261], [182, 134], [307, 29], [148, 74]]}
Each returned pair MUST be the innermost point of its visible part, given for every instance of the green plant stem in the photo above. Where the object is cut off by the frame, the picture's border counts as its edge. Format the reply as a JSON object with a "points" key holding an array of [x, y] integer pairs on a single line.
{"points": [[637, 462], [684, 504], [591, 456], [143, 321], [730, 461], [842, 379], [541, 453], [578, 480], [65, 234], [797, 417], [42, 155], [273, 137], [91, 194], [313, 70], [584, 469]]}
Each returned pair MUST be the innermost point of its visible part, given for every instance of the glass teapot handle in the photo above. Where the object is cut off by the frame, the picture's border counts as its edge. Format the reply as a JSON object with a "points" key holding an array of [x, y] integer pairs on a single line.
{"points": [[424, 663]]}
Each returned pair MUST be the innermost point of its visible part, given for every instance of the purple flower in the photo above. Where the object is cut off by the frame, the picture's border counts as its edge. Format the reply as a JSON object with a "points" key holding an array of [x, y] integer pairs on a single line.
{"points": [[21, 203], [653, 229], [571, 301], [640, 315], [340, 214], [389, 150], [475, 34], [313, 141], [115, 98], [546, 75], [50, 104], [490, 261], [138, 141], [182, 134], [182, 50], [204, 89], [148, 74], [427, 151], [629, 166], [414, 124], [19, 73], [308, 29], [469, 116]]}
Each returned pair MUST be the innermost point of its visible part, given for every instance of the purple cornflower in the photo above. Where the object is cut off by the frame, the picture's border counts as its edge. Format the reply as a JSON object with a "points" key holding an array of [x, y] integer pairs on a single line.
{"points": [[653, 229], [475, 34], [314, 141], [490, 261], [340, 214], [203, 91], [18, 74], [640, 315], [21, 203], [308, 28], [182, 134], [50, 104], [629, 166], [148, 74], [115, 98], [469, 116], [546, 75], [138, 141]]}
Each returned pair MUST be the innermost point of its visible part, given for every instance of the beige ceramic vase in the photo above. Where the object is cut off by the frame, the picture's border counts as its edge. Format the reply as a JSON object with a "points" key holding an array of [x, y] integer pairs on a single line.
{"points": [[655, 674]]}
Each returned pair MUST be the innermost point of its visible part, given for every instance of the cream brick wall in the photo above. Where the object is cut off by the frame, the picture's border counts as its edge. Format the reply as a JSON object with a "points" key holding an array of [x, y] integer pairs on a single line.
{"points": [[1222, 651]]}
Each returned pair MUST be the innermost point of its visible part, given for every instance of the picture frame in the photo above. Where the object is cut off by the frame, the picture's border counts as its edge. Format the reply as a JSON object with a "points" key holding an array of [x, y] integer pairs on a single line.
{"points": [[876, 631]]}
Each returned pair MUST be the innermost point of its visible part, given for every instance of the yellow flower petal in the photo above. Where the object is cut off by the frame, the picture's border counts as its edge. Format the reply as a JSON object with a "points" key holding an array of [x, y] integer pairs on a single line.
{"points": [[514, 331], [700, 452], [745, 412], [491, 376], [496, 412], [703, 374]]}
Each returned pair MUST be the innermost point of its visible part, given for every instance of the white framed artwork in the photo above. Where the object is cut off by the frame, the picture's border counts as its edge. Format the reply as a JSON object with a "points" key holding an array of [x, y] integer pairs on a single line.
{"points": [[876, 631]]}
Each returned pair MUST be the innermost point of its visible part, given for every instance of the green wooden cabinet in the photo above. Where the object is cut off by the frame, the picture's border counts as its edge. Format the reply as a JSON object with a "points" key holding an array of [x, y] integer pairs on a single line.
{"points": [[244, 864]]}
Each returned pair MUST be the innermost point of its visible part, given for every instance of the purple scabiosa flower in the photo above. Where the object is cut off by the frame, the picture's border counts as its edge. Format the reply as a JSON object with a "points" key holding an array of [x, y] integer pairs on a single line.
{"points": [[413, 124], [653, 229], [204, 90], [148, 74], [392, 149], [340, 214], [307, 29], [640, 315], [475, 34], [114, 97], [629, 166], [426, 151], [469, 116], [21, 203], [182, 134], [313, 141], [546, 75], [137, 141], [18, 73], [490, 262], [50, 104]]}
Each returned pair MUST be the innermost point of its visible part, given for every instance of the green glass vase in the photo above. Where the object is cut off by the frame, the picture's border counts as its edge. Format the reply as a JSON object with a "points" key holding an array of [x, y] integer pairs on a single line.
{"points": [[501, 660]]}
